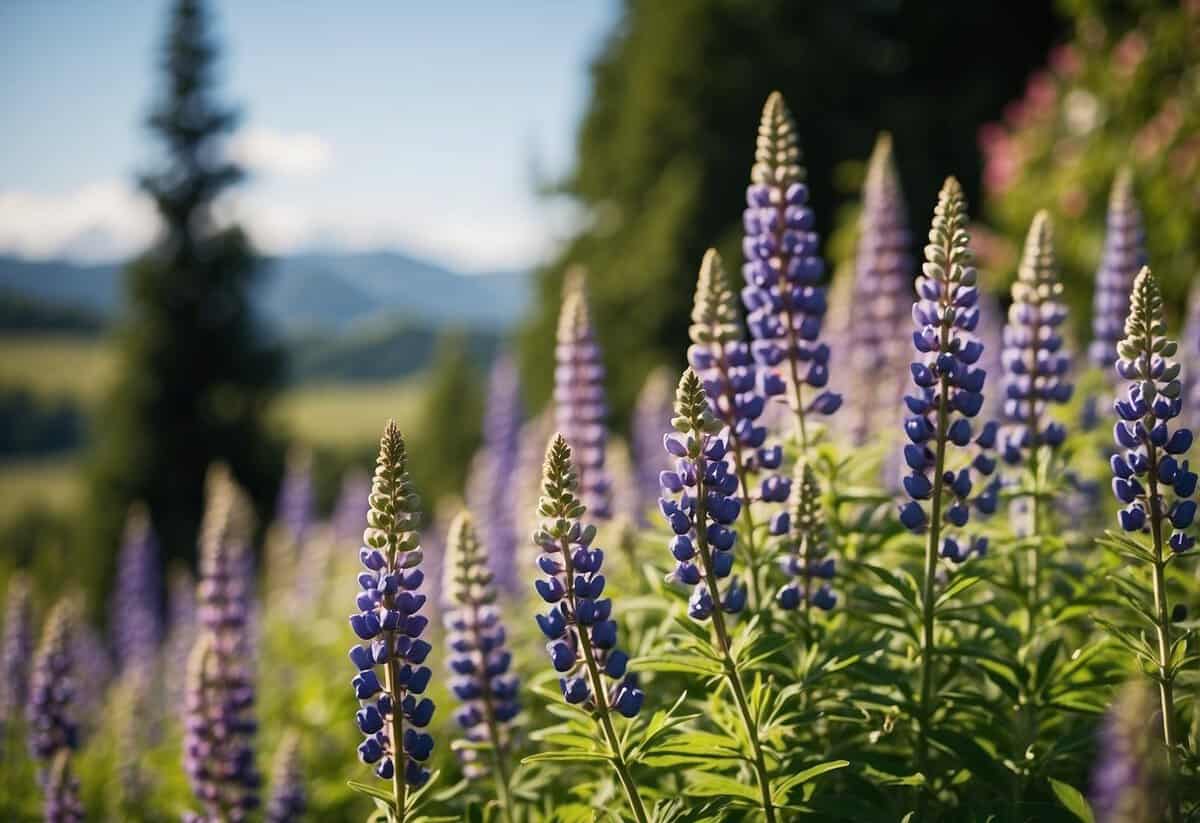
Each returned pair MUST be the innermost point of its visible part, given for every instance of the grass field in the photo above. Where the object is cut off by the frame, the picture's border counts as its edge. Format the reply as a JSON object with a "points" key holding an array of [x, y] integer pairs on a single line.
{"points": [[58, 365], [54, 482], [346, 415]]}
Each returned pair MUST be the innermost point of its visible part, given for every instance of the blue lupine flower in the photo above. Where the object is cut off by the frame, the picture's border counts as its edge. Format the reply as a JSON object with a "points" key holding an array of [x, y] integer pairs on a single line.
{"points": [[137, 597], [219, 724], [491, 493], [806, 562], [652, 407], [1151, 476], [1128, 778], [722, 360], [579, 627], [18, 649], [882, 295], [62, 802], [580, 408], [1124, 255], [784, 270], [1035, 366], [949, 384], [392, 712], [479, 658], [50, 718], [700, 503], [289, 798]]}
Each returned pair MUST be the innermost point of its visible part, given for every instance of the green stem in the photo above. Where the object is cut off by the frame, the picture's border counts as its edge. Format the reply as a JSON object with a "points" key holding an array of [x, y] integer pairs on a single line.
{"points": [[731, 672]]}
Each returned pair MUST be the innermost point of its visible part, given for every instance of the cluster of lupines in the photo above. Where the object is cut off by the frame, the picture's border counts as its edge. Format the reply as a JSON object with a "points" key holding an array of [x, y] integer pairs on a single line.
{"points": [[1124, 254], [783, 271], [579, 404], [219, 724], [137, 598], [949, 388], [700, 503], [479, 657], [491, 494], [289, 799], [1127, 781], [392, 713], [881, 297], [50, 717], [652, 407], [808, 544], [18, 649]]}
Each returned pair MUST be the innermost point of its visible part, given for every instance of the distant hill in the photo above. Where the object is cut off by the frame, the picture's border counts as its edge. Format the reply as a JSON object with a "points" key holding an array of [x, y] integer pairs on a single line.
{"points": [[310, 292]]}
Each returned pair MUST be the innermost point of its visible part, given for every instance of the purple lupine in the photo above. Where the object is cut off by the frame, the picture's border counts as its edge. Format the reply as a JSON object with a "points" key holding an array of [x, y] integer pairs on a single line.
{"points": [[219, 724], [351, 507], [295, 508], [62, 803], [491, 493], [582, 636], [881, 296], [181, 629], [18, 649], [990, 332], [700, 503], [1123, 256], [289, 797], [479, 658], [1190, 343], [50, 718], [392, 713], [1127, 779], [579, 404], [806, 561], [653, 406], [783, 271], [137, 598]]}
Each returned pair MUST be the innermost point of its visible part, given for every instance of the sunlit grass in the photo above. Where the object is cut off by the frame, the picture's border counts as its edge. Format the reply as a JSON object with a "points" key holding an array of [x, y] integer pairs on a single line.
{"points": [[58, 365], [52, 482], [346, 415]]}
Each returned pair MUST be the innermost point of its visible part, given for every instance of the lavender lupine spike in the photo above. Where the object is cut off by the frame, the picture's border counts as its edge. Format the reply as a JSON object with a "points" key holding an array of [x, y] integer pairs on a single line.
{"points": [[296, 506], [392, 714], [580, 407], [1123, 256], [652, 407], [783, 272], [351, 507], [50, 711], [990, 333], [949, 392], [1127, 780], [289, 797], [806, 561], [882, 297], [491, 493], [181, 630], [1152, 478], [582, 636], [219, 724], [479, 657], [1190, 344], [137, 598], [17, 651], [62, 803], [701, 518], [721, 358]]}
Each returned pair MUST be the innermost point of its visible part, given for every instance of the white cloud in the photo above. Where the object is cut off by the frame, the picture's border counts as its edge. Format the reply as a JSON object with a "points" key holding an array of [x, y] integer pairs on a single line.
{"points": [[98, 221], [295, 154]]}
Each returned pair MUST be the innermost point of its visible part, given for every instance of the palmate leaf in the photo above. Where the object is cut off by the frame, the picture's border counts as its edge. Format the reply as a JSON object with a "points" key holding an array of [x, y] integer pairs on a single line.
{"points": [[1072, 800]]}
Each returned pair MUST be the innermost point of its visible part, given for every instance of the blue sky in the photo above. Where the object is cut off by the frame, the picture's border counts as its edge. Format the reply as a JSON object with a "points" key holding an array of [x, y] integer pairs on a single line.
{"points": [[373, 124]]}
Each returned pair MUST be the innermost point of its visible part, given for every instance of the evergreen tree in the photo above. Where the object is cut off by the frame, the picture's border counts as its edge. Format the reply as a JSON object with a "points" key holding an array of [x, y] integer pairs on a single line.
{"points": [[195, 378]]}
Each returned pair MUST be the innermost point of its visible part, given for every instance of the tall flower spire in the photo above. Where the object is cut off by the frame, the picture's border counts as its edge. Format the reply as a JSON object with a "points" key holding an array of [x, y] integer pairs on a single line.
{"points": [[882, 297], [1127, 780], [580, 408], [1124, 254], [62, 803], [479, 657], [137, 599], [50, 720], [296, 507], [392, 714], [783, 272], [653, 406], [288, 796], [806, 562], [17, 650]]}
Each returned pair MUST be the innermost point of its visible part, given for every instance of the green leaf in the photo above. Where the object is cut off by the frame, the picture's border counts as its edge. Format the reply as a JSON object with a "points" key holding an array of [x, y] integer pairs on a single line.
{"points": [[706, 784], [680, 663], [567, 757], [956, 587], [1072, 800], [372, 791], [780, 792]]}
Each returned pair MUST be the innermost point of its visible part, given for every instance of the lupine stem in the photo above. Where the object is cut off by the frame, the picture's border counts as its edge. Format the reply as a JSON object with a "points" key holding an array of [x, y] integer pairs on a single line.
{"points": [[602, 715], [731, 671]]}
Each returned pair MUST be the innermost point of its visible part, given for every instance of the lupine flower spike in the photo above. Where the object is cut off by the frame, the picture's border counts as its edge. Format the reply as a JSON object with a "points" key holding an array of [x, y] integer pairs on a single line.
{"points": [[579, 404], [288, 796], [783, 272], [581, 632], [50, 719], [1151, 478], [62, 804], [137, 599], [722, 360], [17, 651], [219, 724], [1035, 373], [1127, 781], [296, 507], [652, 407], [1190, 343], [393, 713], [806, 563], [1124, 254], [479, 657], [882, 297], [700, 505], [949, 393]]}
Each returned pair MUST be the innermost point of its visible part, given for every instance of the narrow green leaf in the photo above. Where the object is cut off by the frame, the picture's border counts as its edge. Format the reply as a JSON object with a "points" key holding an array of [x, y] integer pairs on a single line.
{"points": [[1073, 800]]}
